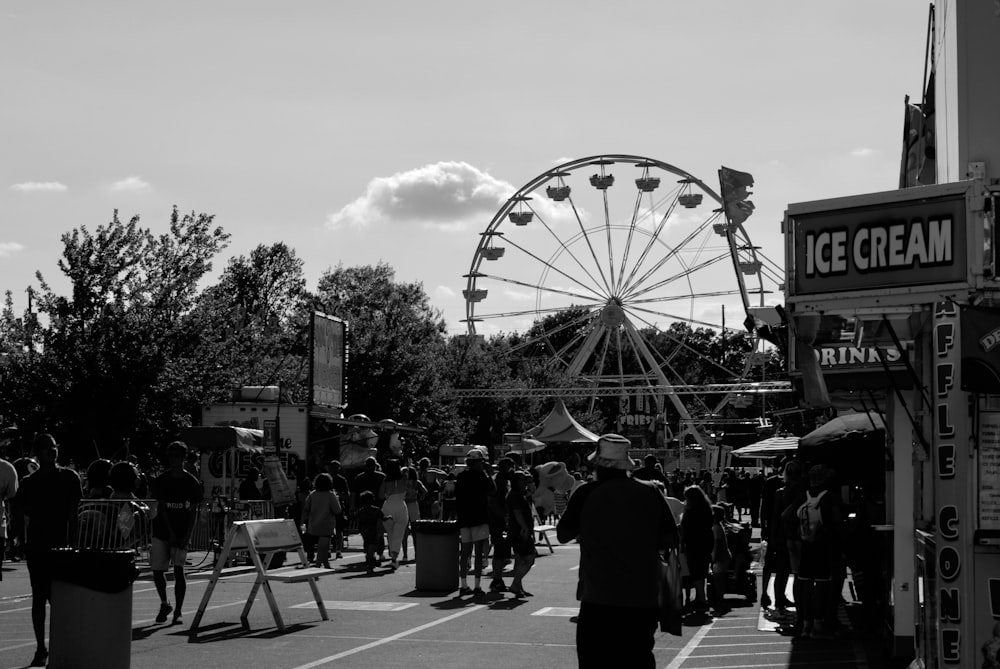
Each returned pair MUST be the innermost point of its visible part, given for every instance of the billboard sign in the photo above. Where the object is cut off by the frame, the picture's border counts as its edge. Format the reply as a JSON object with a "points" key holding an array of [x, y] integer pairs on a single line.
{"points": [[327, 360]]}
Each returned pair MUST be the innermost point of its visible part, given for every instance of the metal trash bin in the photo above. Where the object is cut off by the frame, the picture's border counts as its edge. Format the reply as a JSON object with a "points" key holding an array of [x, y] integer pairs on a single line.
{"points": [[91, 621], [436, 544]]}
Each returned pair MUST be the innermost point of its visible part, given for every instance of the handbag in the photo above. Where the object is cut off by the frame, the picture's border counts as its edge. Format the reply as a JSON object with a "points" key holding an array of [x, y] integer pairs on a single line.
{"points": [[670, 592]]}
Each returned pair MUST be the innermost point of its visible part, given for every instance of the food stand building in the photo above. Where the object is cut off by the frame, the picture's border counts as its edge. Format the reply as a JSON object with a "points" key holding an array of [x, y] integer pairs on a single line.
{"points": [[893, 304]]}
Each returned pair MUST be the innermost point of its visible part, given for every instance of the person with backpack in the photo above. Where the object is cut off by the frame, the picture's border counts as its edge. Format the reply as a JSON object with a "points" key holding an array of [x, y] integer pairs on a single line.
{"points": [[818, 519]]}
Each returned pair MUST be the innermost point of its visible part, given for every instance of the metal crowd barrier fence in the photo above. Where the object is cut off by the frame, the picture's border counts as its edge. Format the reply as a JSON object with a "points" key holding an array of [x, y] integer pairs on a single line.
{"points": [[127, 524]]}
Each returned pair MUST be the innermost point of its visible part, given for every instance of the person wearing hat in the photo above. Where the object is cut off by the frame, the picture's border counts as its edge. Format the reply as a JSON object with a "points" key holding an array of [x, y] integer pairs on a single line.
{"points": [[622, 525], [473, 488]]}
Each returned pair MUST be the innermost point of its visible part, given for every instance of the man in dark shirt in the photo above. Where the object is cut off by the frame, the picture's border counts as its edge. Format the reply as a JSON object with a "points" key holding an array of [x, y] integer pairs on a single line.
{"points": [[49, 498], [498, 523], [177, 494], [621, 525], [343, 492], [473, 488], [767, 499], [371, 479], [648, 471]]}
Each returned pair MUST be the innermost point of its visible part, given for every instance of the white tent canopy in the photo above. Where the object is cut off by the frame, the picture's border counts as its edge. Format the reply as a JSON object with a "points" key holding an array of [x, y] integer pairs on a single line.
{"points": [[768, 448], [559, 426]]}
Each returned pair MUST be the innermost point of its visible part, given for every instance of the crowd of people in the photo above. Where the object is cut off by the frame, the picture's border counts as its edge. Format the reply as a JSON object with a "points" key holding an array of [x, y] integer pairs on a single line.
{"points": [[623, 528]]}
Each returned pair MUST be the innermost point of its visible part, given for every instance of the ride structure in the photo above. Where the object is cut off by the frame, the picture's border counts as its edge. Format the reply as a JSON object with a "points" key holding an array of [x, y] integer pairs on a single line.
{"points": [[607, 279]]}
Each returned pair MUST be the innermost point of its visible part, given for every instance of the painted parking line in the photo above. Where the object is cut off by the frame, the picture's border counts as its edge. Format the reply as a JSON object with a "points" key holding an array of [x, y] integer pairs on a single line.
{"points": [[389, 639], [358, 606], [558, 611]]}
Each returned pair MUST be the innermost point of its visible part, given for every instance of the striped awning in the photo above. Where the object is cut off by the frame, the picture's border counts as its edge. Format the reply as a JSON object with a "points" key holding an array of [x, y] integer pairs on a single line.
{"points": [[770, 447]]}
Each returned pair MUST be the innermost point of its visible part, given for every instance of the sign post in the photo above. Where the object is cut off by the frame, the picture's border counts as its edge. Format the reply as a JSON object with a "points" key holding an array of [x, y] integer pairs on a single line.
{"points": [[262, 539]]}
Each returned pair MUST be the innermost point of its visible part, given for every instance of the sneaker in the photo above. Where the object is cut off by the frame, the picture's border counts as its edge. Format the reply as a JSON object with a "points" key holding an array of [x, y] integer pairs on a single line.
{"points": [[178, 618], [478, 591], [497, 586], [41, 658], [765, 601], [464, 590], [165, 610], [340, 556]]}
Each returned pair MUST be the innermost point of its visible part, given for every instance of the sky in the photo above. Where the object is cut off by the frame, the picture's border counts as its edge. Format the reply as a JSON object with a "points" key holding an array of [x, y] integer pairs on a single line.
{"points": [[393, 132]]}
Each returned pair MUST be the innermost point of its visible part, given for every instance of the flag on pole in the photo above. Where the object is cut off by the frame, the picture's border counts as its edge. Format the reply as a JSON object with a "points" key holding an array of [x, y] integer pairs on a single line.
{"points": [[734, 186]]}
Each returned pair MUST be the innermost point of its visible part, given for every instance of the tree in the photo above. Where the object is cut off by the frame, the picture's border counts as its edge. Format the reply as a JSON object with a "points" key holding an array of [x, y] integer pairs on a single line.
{"points": [[94, 372], [396, 340]]}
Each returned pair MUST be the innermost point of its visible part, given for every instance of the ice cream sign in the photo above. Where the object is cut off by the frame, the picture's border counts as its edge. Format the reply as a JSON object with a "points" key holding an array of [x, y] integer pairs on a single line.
{"points": [[877, 246]]}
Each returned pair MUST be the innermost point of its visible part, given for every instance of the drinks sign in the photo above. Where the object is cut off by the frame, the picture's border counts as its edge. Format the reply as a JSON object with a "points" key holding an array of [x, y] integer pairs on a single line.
{"points": [[876, 246]]}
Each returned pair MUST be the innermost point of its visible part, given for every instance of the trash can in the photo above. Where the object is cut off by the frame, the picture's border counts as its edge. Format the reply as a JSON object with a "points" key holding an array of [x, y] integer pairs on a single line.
{"points": [[91, 621], [436, 543]]}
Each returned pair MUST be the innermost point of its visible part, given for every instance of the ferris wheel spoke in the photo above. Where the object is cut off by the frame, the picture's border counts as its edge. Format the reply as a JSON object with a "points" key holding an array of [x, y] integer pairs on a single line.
{"points": [[671, 254], [545, 289], [684, 296], [533, 313], [565, 248], [688, 270], [665, 315], [548, 334], [607, 231], [687, 347], [628, 241], [549, 266], [586, 237], [651, 240]]}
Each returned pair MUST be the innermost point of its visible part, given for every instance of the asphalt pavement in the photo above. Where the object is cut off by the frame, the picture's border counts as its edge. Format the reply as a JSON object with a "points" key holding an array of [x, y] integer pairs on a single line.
{"points": [[380, 621]]}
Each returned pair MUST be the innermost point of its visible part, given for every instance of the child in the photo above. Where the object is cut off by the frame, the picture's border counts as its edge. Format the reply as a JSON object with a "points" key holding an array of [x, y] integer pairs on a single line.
{"points": [[370, 519], [721, 557], [319, 516]]}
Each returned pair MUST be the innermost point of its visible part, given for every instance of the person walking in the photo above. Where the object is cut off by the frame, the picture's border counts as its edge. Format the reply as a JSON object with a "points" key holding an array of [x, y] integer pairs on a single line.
{"points": [[698, 541], [767, 500], [622, 525], [499, 529], [819, 529], [473, 488], [520, 530], [414, 497], [343, 491], [784, 535], [49, 498], [393, 491], [722, 558], [177, 494], [371, 480], [8, 489], [319, 516]]}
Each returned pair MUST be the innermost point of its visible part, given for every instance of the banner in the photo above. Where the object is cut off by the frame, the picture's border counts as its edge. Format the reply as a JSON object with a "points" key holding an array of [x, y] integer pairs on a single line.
{"points": [[980, 349]]}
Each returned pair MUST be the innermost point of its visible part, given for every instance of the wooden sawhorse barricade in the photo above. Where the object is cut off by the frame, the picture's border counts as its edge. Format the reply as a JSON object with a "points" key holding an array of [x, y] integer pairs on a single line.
{"points": [[262, 539]]}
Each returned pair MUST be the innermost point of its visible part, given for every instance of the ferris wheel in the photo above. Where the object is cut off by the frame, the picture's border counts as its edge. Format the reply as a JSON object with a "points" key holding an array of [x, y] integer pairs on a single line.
{"points": [[593, 261]]}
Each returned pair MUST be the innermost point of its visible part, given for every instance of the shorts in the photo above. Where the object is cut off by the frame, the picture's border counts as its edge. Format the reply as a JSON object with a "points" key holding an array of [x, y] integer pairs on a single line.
{"points": [[474, 533], [39, 573], [817, 561], [162, 555]]}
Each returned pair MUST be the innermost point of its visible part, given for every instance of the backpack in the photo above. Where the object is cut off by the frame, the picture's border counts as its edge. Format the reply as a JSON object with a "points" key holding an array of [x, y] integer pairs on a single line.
{"points": [[810, 518]]}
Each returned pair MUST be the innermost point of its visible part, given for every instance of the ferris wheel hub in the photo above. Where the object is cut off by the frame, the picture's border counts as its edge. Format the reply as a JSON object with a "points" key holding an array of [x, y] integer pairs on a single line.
{"points": [[612, 315]]}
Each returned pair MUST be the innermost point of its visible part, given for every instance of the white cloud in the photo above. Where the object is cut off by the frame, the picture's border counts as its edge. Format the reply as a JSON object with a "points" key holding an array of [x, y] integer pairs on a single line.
{"points": [[40, 187], [132, 183], [863, 152], [445, 195], [445, 291], [10, 248]]}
